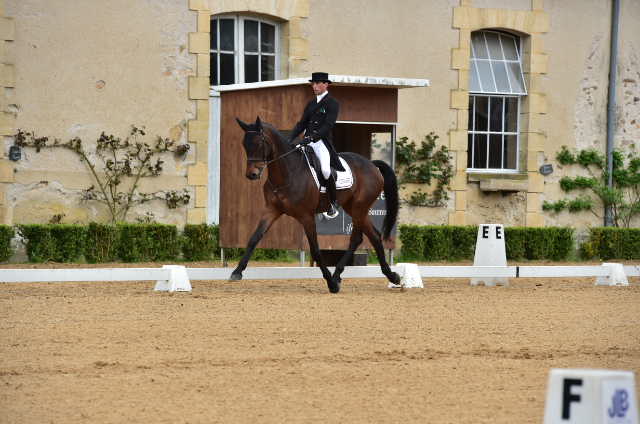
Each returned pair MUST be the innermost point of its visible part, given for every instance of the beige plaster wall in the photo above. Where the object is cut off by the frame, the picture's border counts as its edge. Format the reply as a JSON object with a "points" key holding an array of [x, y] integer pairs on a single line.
{"points": [[628, 129], [502, 4], [77, 68], [577, 87], [83, 67], [411, 39], [569, 90]]}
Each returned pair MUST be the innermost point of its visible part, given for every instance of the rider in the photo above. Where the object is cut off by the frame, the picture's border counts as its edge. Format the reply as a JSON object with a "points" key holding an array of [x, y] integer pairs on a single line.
{"points": [[317, 122]]}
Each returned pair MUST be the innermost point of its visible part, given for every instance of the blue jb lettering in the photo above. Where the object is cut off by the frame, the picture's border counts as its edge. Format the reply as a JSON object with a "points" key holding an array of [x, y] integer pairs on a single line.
{"points": [[619, 404]]}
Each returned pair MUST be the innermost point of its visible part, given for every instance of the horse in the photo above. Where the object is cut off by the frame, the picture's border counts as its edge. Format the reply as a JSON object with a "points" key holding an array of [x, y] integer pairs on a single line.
{"points": [[290, 189]]}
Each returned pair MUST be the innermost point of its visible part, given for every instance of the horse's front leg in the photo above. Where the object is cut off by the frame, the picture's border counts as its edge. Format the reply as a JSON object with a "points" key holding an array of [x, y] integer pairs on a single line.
{"points": [[309, 225], [354, 242], [263, 226]]}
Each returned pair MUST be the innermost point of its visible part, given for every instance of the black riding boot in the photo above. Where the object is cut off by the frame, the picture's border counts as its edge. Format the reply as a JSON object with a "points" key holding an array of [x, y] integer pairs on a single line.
{"points": [[330, 184]]}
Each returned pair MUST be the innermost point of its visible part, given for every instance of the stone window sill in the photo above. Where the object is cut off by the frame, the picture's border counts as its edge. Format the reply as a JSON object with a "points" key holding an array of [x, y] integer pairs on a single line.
{"points": [[500, 182]]}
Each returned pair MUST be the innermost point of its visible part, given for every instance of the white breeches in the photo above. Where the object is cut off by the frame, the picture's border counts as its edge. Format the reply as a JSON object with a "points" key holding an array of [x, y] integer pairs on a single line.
{"points": [[322, 153]]}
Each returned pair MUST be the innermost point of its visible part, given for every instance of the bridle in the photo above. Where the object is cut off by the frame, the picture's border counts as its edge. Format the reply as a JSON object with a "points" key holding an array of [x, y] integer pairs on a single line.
{"points": [[265, 155], [263, 142]]}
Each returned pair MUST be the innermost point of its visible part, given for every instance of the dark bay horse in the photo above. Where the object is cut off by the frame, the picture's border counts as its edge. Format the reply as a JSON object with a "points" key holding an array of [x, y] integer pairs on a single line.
{"points": [[290, 189]]}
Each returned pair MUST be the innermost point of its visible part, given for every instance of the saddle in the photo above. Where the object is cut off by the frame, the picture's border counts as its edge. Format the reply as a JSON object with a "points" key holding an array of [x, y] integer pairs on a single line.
{"points": [[344, 179]]}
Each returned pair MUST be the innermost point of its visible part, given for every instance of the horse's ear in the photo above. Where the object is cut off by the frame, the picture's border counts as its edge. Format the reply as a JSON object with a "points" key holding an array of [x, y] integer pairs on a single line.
{"points": [[258, 124], [243, 125]]}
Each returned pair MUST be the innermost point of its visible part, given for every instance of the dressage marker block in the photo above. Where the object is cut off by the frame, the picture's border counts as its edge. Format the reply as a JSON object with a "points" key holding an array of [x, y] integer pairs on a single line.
{"points": [[490, 251], [586, 396], [178, 280], [410, 277], [616, 277]]}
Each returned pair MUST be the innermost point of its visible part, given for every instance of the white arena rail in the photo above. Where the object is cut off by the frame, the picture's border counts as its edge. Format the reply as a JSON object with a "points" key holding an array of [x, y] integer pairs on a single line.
{"points": [[563, 271], [632, 270], [87, 274], [283, 273]]}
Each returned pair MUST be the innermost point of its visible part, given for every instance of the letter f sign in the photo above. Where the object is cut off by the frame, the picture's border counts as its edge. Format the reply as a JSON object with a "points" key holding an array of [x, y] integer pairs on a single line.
{"points": [[568, 397]]}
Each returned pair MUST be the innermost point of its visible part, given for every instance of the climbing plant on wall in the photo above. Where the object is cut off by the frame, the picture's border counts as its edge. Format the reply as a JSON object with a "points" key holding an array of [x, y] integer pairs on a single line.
{"points": [[424, 164], [595, 195], [117, 167]]}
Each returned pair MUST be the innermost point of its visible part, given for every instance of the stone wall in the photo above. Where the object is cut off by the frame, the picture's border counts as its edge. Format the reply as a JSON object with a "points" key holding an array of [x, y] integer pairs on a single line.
{"points": [[78, 68], [86, 67]]}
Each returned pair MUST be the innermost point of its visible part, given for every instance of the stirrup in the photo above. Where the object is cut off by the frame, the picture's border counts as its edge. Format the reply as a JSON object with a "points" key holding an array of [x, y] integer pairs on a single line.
{"points": [[329, 214]]}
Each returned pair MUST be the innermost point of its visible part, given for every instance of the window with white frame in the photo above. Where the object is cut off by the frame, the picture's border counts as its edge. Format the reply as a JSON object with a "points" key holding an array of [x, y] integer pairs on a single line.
{"points": [[496, 86], [243, 49]]}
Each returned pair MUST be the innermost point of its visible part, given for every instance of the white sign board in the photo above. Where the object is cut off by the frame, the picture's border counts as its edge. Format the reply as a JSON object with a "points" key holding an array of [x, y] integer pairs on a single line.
{"points": [[584, 396], [490, 251]]}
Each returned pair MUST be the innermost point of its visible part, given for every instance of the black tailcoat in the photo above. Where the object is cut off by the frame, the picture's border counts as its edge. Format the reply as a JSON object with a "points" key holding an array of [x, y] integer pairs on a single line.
{"points": [[318, 120]]}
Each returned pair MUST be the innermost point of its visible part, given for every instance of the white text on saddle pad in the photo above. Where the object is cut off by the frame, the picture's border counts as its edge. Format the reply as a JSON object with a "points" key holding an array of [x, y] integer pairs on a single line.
{"points": [[344, 179]]}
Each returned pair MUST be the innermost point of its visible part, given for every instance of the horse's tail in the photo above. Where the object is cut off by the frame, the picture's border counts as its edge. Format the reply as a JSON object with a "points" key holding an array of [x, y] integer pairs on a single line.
{"points": [[390, 195]]}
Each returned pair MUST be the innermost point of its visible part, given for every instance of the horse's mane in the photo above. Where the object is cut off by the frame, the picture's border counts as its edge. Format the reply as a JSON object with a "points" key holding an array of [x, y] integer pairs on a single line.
{"points": [[283, 135], [283, 139]]}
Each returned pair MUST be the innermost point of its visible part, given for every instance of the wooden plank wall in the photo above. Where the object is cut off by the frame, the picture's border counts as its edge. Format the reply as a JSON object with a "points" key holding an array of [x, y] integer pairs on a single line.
{"points": [[366, 104], [242, 200]]}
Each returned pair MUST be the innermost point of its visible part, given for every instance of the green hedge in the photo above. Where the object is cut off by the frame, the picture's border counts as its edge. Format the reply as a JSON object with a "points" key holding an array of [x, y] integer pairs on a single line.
{"points": [[99, 243], [69, 241], [463, 242], [53, 242], [148, 242], [6, 234], [411, 237], [612, 243], [200, 242], [102, 243], [437, 242], [38, 242], [514, 242], [453, 243]]}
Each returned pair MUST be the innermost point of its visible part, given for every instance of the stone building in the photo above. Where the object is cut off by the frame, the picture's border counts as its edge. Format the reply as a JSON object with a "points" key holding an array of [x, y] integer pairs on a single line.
{"points": [[511, 82]]}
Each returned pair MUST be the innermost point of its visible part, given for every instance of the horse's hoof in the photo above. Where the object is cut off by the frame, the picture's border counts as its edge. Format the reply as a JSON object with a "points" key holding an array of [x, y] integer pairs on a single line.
{"points": [[235, 276], [395, 278], [334, 285]]}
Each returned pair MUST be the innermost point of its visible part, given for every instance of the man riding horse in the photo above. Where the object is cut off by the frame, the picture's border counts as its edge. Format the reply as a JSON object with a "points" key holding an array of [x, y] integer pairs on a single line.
{"points": [[317, 122], [290, 188]]}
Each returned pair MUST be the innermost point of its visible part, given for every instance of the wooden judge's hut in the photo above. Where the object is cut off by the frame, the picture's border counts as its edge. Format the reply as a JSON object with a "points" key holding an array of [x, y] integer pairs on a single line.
{"points": [[366, 125]]}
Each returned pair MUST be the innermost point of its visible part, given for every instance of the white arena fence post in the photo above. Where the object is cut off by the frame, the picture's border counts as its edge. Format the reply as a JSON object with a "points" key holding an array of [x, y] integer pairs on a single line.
{"points": [[588, 396], [490, 251]]}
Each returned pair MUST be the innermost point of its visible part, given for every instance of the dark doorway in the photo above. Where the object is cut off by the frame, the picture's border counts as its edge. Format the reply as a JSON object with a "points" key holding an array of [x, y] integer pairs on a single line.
{"points": [[372, 141]]}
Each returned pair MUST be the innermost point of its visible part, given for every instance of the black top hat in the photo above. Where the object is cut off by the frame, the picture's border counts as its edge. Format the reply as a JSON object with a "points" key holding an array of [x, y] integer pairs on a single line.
{"points": [[320, 77]]}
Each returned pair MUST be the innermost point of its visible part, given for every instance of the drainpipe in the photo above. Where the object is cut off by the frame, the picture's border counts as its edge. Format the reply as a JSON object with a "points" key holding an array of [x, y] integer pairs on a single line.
{"points": [[611, 103]]}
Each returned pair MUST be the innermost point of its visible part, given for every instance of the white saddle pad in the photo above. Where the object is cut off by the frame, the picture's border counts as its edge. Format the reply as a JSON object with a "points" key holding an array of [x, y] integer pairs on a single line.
{"points": [[344, 179]]}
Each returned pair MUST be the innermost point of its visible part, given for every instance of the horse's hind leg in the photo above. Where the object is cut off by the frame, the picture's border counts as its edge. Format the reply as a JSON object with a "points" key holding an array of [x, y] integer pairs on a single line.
{"points": [[263, 226], [374, 236], [354, 242]]}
